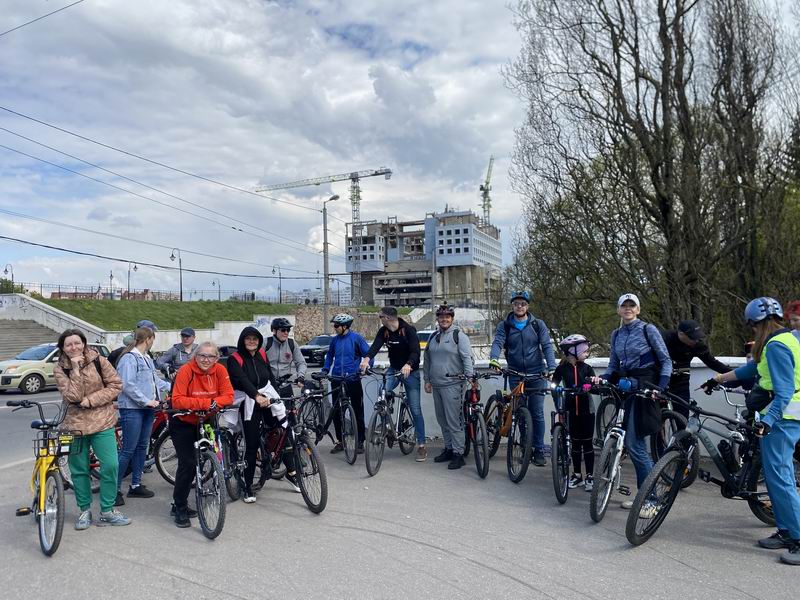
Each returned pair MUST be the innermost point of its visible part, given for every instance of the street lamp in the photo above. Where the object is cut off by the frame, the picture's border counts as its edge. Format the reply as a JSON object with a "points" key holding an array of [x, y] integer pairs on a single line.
{"points": [[326, 294], [6, 270], [135, 268], [216, 282], [280, 288], [111, 285], [180, 268]]}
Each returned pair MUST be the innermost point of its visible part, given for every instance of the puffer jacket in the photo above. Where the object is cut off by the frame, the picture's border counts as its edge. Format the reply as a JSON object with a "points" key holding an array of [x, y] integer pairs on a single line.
{"points": [[85, 382]]}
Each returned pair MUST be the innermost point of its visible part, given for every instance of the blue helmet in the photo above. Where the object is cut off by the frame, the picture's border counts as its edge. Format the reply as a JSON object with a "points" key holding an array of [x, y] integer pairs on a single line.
{"points": [[762, 308], [520, 295]]}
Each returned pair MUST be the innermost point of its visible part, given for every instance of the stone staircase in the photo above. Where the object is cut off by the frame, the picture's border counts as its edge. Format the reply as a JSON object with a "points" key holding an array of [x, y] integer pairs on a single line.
{"points": [[16, 336]]}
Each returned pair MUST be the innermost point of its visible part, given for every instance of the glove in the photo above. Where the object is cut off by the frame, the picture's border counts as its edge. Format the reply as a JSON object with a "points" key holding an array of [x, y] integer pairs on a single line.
{"points": [[627, 385], [213, 405], [300, 381], [586, 387], [709, 386], [495, 364], [762, 429]]}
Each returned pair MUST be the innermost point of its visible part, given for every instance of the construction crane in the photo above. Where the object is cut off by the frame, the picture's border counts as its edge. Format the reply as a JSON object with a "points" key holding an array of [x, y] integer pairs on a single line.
{"points": [[355, 203], [485, 188]]}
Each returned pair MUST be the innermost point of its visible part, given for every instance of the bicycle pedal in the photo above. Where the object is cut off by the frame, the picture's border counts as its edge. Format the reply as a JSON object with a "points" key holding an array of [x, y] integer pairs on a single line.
{"points": [[704, 475], [624, 490], [23, 512]]}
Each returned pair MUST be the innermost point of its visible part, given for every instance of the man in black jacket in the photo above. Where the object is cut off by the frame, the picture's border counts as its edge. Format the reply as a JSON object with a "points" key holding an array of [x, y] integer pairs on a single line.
{"points": [[403, 344]]}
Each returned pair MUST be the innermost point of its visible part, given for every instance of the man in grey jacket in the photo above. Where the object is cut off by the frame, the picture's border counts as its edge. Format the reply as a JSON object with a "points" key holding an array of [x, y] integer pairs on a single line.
{"points": [[448, 353], [283, 354], [180, 353]]}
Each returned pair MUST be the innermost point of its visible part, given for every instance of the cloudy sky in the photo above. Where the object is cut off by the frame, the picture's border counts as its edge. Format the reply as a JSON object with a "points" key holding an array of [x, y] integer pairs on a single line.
{"points": [[243, 92]]}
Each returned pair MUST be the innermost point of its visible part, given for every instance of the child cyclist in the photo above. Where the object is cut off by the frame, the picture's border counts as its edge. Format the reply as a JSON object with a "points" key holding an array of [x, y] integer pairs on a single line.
{"points": [[573, 372]]}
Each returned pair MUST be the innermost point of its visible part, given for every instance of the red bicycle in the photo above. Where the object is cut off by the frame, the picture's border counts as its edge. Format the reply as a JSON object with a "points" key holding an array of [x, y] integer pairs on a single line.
{"points": [[476, 435]]}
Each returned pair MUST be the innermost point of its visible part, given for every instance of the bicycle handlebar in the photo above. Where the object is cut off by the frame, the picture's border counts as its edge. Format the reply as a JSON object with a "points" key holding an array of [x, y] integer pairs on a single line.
{"points": [[28, 403]]}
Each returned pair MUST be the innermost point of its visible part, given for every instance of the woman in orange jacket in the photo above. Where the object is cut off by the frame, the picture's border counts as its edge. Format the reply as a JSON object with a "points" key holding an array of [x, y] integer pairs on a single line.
{"points": [[201, 384]]}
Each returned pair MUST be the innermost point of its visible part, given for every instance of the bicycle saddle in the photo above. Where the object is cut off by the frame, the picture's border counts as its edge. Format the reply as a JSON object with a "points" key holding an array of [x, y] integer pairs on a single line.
{"points": [[39, 424]]}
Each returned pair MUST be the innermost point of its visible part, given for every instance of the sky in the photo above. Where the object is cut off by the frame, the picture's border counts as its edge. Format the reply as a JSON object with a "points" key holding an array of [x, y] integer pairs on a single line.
{"points": [[245, 93]]}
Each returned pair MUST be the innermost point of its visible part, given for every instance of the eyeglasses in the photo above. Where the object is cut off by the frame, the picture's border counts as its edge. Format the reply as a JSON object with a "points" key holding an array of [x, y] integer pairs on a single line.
{"points": [[208, 356], [519, 304], [284, 330], [383, 316]]}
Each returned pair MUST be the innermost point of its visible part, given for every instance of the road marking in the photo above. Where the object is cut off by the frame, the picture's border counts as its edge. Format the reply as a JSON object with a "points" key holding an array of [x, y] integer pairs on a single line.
{"points": [[15, 464]]}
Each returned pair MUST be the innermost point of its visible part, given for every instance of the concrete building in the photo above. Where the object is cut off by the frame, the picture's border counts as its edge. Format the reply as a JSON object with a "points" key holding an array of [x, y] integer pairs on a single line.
{"points": [[396, 259]]}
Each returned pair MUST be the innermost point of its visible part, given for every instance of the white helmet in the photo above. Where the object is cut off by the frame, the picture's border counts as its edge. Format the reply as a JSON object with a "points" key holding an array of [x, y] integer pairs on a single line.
{"points": [[342, 319]]}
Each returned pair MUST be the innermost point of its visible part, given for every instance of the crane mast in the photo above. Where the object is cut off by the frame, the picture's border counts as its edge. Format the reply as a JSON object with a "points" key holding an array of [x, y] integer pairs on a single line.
{"points": [[485, 188]]}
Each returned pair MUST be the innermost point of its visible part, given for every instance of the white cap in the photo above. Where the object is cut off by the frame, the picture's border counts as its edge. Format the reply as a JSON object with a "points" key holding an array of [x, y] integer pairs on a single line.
{"points": [[632, 297]]}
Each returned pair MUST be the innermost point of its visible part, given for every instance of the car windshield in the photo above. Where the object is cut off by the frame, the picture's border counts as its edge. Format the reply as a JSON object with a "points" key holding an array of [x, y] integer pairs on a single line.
{"points": [[35, 353], [320, 340]]}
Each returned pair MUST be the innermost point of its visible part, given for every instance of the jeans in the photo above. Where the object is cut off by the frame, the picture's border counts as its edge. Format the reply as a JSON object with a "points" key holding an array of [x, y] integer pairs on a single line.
{"points": [[637, 448], [777, 450], [183, 437], [534, 395], [136, 424], [411, 386], [104, 444]]}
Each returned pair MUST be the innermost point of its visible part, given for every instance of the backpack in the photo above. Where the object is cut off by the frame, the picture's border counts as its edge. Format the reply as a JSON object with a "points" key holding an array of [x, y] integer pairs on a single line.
{"points": [[271, 341], [507, 326], [455, 339], [238, 358]]}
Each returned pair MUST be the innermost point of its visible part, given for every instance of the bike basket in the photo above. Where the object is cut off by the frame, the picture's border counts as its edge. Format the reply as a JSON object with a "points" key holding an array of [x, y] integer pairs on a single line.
{"points": [[53, 444]]}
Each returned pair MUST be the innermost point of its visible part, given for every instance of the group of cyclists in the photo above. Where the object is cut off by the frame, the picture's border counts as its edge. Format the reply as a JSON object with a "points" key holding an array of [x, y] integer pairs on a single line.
{"points": [[641, 356]]}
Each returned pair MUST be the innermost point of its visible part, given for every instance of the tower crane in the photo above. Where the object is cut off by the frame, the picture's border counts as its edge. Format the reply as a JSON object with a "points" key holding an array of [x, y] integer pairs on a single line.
{"points": [[485, 188], [355, 203]]}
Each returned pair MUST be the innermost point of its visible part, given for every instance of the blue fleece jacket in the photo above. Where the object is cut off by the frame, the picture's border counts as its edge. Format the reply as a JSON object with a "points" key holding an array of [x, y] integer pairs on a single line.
{"points": [[344, 355], [633, 349], [781, 370]]}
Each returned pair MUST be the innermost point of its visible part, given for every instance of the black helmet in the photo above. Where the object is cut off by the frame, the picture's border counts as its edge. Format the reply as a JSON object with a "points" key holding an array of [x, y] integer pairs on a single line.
{"points": [[280, 323], [445, 309]]}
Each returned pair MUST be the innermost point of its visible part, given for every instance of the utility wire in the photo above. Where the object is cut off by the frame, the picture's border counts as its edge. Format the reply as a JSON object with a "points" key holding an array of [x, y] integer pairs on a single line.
{"points": [[40, 18]]}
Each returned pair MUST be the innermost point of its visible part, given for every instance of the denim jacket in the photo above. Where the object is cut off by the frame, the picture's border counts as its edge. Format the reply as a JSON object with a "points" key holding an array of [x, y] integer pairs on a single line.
{"points": [[140, 384]]}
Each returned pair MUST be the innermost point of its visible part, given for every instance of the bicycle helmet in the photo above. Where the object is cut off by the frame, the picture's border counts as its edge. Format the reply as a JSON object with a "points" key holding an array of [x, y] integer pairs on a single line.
{"points": [[342, 319], [574, 345], [520, 296], [762, 308], [445, 309], [280, 323]]}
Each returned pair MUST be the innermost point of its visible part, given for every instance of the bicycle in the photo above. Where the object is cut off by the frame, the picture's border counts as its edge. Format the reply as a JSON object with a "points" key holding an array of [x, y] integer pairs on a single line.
{"points": [[671, 423], [507, 416], [47, 485], [382, 431], [475, 431], [737, 456], [560, 441], [312, 415]]}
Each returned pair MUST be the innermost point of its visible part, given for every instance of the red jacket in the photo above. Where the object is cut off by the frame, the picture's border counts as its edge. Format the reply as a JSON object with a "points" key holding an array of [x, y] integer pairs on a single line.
{"points": [[195, 389]]}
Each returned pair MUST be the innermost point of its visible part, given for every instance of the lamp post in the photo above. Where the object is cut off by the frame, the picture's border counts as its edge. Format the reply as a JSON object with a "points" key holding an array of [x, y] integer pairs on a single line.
{"points": [[326, 294], [216, 282], [135, 268], [8, 268], [280, 287], [111, 285], [180, 269]]}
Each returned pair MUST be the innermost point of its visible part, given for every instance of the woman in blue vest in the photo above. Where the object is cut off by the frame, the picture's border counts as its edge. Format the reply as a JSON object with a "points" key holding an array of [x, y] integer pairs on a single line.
{"points": [[776, 367]]}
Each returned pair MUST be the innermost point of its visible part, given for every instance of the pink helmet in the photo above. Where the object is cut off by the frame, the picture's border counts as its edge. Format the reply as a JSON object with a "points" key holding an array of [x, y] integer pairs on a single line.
{"points": [[574, 345]]}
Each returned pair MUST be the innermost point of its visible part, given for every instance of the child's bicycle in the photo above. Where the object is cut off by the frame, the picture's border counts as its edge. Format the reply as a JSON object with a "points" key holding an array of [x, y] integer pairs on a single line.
{"points": [[47, 485], [560, 443]]}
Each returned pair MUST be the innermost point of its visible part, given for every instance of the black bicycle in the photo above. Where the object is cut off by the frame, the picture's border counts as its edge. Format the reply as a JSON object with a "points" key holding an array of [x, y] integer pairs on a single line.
{"points": [[560, 443], [312, 415], [382, 431], [476, 435]]}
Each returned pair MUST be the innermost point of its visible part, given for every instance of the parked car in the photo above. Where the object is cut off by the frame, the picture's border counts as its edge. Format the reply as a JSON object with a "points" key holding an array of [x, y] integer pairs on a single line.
{"points": [[424, 336], [315, 350], [31, 371]]}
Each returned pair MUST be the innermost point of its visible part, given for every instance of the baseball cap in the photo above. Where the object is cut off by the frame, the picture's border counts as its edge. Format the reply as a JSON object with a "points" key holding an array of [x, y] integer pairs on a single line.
{"points": [[632, 297], [692, 330], [146, 323], [187, 331]]}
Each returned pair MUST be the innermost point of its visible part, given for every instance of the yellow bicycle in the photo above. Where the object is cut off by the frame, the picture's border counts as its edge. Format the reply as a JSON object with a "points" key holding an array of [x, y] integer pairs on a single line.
{"points": [[47, 485]]}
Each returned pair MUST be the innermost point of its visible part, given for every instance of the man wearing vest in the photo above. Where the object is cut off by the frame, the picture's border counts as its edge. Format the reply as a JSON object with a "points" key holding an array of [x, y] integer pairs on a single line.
{"points": [[776, 368], [529, 350], [284, 354], [403, 344]]}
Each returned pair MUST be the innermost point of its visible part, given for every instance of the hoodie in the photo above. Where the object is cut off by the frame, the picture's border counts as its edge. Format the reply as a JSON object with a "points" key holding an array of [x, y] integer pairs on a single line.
{"points": [[254, 372], [195, 389]]}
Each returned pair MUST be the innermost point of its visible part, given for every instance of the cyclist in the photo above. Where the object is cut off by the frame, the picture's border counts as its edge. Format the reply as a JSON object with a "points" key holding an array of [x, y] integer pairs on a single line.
{"points": [[639, 355], [88, 385], [180, 353], [528, 349], [284, 354], [792, 313], [448, 353], [343, 362], [403, 344], [201, 384], [776, 368]]}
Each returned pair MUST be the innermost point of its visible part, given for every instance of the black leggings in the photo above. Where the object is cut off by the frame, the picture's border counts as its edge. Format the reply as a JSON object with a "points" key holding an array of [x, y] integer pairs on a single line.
{"points": [[581, 430], [183, 436], [252, 439], [356, 394]]}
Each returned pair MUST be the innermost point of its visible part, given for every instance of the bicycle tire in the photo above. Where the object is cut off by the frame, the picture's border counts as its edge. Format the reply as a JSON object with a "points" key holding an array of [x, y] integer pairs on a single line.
{"points": [[481, 446], [560, 461], [665, 477], [233, 480], [605, 419], [406, 430], [166, 458], [51, 523], [520, 445], [467, 437], [493, 415], [755, 483], [375, 443], [672, 423], [604, 480], [311, 476], [349, 433], [209, 492]]}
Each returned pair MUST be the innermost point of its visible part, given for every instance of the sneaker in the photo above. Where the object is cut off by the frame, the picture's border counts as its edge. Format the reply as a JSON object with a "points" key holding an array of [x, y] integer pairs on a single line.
{"points": [[588, 483], [779, 539], [182, 516], [249, 498], [112, 517], [445, 456], [120, 501], [360, 449], [84, 520], [648, 510], [538, 458], [292, 481], [337, 447], [456, 462], [192, 513], [575, 481], [422, 454], [626, 505], [792, 555], [140, 492]]}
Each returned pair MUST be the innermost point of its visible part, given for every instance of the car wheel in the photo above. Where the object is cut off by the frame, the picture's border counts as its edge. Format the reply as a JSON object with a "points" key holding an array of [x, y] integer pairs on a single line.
{"points": [[32, 384]]}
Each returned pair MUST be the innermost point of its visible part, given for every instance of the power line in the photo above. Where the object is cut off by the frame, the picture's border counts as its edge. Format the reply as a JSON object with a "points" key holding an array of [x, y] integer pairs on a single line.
{"points": [[40, 18]]}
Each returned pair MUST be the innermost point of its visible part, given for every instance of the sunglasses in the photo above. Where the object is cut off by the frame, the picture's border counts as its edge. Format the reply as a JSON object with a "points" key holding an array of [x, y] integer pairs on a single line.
{"points": [[207, 356], [284, 330]]}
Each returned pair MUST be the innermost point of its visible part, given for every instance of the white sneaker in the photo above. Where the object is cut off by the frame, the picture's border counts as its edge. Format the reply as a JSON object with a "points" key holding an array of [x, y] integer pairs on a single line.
{"points": [[648, 510], [249, 498], [575, 481], [588, 483], [626, 505]]}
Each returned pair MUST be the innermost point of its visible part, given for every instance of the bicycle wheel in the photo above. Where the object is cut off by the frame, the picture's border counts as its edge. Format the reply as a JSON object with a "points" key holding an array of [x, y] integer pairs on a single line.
{"points": [[604, 479], [233, 479], [655, 498], [349, 433], [672, 423], [66, 474], [761, 506], [606, 416], [406, 432], [481, 449], [51, 521], [493, 415], [311, 475], [520, 445], [375, 442], [208, 491], [166, 458], [560, 461]]}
